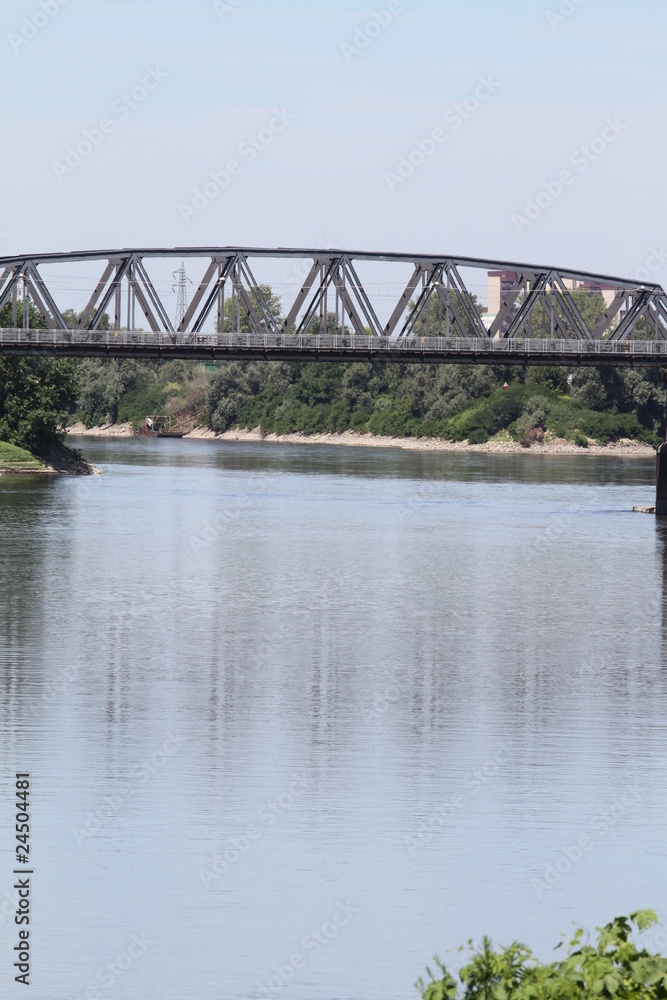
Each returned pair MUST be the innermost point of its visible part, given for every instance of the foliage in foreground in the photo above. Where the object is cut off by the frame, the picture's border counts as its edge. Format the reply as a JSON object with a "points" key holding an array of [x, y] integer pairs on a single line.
{"points": [[612, 966], [35, 397], [36, 394]]}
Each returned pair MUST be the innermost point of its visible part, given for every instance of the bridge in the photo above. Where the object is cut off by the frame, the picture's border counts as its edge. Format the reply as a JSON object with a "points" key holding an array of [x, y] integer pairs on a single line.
{"points": [[333, 305]]}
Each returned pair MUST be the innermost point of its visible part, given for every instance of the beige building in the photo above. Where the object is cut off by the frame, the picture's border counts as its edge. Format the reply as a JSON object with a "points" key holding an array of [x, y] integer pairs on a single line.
{"points": [[501, 282]]}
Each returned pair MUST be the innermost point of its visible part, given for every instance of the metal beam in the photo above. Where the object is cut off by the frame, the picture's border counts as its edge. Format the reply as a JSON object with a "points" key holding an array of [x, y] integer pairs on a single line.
{"points": [[297, 305], [404, 301], [339, 270]]}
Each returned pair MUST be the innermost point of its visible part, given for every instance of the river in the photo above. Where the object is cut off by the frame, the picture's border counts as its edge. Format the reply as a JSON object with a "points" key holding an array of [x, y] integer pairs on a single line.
{"points": [[299, 717]]}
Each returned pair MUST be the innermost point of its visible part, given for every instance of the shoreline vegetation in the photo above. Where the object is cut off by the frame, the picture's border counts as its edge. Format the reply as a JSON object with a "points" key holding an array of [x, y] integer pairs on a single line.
{"points": [[598, 410], [61, 460], [501, 445], [418, 407], [619, 960]]}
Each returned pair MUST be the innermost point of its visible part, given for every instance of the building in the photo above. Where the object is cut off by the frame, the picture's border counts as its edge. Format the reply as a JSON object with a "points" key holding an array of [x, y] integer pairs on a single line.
{"points": [[502, 282]]}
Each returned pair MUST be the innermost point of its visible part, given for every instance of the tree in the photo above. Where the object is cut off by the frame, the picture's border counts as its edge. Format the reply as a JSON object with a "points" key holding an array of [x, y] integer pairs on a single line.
{"points": [[35, 397], [433, 321], [35, 394], [73, 318], [233, 383], [35, 319], [259, 296], [103, 384], [589, 302]]}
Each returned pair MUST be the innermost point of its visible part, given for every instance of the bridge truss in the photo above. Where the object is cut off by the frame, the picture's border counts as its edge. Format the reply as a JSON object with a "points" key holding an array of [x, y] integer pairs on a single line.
{"points": [[332, 311]]}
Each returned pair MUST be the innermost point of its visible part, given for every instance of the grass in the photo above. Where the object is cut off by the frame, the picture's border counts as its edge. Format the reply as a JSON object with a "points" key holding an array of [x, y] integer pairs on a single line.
{"points": [[12, 457]]}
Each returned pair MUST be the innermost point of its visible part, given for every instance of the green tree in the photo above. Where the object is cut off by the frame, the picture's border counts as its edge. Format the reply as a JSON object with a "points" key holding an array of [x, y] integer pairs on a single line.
{"points": [[103, 384], [36, 394], [73, 318], [589, 302], [35, 397], [232, 385], [260, 294], [433, 320]]}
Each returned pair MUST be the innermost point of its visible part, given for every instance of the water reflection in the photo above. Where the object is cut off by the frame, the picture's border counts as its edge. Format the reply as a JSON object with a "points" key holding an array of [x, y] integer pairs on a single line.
{"points": [[460, 657]]}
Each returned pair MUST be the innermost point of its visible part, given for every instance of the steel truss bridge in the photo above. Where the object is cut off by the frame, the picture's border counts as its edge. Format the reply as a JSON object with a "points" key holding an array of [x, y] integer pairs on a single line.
{"points": [[332, 312]]}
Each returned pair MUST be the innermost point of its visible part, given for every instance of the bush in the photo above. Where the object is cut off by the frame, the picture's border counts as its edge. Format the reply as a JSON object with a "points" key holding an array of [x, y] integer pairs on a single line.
{"points": [[36, 396], [551, 378], [145, 401], [612, 966]]}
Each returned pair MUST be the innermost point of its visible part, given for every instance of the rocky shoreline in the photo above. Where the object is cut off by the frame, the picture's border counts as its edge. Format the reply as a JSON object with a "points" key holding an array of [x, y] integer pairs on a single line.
{"points": [[61, 461], [558, 446], [106, 430]]}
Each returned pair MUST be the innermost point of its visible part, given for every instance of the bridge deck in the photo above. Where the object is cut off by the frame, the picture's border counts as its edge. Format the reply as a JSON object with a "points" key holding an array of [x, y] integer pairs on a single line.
{"points": [[233, 346]]}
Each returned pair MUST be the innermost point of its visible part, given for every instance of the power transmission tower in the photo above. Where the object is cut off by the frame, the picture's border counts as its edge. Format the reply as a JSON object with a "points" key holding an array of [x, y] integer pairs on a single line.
{"points": [[182, 286]]}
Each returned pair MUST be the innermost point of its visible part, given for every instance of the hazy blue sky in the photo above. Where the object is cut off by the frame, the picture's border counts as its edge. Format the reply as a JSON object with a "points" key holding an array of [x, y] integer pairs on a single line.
{"points": [[552, 84]]}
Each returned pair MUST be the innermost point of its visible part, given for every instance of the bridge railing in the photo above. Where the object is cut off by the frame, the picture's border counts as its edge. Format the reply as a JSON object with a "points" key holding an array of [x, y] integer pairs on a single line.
{"points": [[107, 340]]}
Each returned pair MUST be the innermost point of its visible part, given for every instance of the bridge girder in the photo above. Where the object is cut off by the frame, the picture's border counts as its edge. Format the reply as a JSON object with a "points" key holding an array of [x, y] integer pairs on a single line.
{"points": [[333, 298]]}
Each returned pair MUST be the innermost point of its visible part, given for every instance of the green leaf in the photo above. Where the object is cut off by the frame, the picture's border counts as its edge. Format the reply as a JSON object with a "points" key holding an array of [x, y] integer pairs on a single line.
{"points": [[644, 918]]}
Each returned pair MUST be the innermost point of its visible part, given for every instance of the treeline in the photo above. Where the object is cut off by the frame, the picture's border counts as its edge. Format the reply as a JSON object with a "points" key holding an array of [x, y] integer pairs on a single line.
{"points": [[36, 395], [453, 402]]}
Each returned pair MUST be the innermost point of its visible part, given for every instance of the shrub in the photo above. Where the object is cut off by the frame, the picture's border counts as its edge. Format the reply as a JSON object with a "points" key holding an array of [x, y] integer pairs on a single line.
{"points": [[142, 402], [612, 966], [549, 377], [36, 395]]}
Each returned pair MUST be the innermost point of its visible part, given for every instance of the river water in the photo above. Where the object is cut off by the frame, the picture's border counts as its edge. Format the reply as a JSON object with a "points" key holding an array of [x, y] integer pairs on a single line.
{"points": [[297, 718]]}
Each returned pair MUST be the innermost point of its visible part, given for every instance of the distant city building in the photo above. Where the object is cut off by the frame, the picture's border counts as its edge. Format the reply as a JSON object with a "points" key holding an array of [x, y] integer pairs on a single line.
{"points": [[502, 282]]}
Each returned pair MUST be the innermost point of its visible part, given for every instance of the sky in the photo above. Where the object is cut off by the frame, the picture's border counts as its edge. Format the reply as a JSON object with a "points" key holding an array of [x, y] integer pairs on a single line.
{"points": [[528, 130]]}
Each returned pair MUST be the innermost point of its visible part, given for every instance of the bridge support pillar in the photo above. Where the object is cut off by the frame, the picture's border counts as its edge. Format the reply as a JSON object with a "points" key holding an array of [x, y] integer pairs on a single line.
{"points": [[661, 481]]}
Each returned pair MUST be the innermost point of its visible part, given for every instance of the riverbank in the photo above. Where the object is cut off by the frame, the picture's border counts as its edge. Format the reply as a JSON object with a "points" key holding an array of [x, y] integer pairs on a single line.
{"points": [[61, 461], [499, 445], [502, 444], [125, 430]]}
